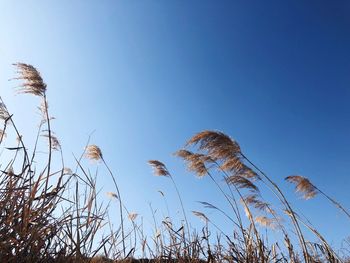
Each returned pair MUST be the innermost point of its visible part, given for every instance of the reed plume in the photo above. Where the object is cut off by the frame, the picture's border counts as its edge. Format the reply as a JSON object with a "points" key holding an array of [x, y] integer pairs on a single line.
{"points": [[33, 82], [195, 162], [254, 201], [217, 144], [159, 168], [303, 185], [54, 142], [4, 114], [93, 152], [201, 215], [309, 190], [242, 182]]}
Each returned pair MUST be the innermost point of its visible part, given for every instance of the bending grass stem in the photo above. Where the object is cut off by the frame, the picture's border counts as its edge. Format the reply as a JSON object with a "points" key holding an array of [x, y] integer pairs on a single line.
{"points": [[120, 204]]}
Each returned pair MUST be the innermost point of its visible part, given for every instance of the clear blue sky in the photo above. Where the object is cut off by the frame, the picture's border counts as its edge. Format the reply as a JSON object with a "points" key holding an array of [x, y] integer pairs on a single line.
{"points": [[147, 75]]}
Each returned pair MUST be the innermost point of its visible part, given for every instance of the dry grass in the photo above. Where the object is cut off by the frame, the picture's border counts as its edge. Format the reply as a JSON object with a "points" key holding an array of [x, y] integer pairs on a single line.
{"points": [[51, 214], [303, 185]]}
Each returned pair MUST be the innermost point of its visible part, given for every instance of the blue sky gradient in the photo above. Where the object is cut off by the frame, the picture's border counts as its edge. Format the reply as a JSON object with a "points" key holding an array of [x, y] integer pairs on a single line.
{"points": [[147, 75]]}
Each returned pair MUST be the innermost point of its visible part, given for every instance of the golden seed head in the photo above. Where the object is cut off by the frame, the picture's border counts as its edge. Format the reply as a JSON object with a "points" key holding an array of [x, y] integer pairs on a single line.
{"points": [[242, 182], [32, 80], [303, 185], [93, 152], [195, 162], [217, 144]]}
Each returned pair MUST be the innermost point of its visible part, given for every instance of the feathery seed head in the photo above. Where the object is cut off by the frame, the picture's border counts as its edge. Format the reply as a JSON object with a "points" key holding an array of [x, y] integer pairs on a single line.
{"points": [[33, 82], [217, 144], [195, 162], [265, 221], [184, 154], [201, 215], [159, 168], [254, 201], [4, 114], [303, 185], [93, 152], [241, 182], [247, 172], [231, 164], [55, 143]]}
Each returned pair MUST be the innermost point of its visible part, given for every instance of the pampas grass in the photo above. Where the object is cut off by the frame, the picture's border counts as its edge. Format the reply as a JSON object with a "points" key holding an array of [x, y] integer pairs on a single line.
{"points": [[303, 185]]}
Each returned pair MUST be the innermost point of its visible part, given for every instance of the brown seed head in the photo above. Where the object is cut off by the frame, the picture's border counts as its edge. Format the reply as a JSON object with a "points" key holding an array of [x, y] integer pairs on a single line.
{"points": [[253, 200], [217, 144], [93, 152], [247, 172], [242, 182], [33, 82], [232, 164], [303, 185], [195, 162], [159, 168]]}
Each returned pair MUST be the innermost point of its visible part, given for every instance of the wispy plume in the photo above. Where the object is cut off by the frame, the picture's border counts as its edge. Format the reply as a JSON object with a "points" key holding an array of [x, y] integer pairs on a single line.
{"points": [[195, 162], [93, 152], [201, 216], [303, 186], [242, 182], [4, 114], [33, 82], [55, 143], [159, 168], [265, 221], [254, 201], [112, 195], [217, 144]]}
